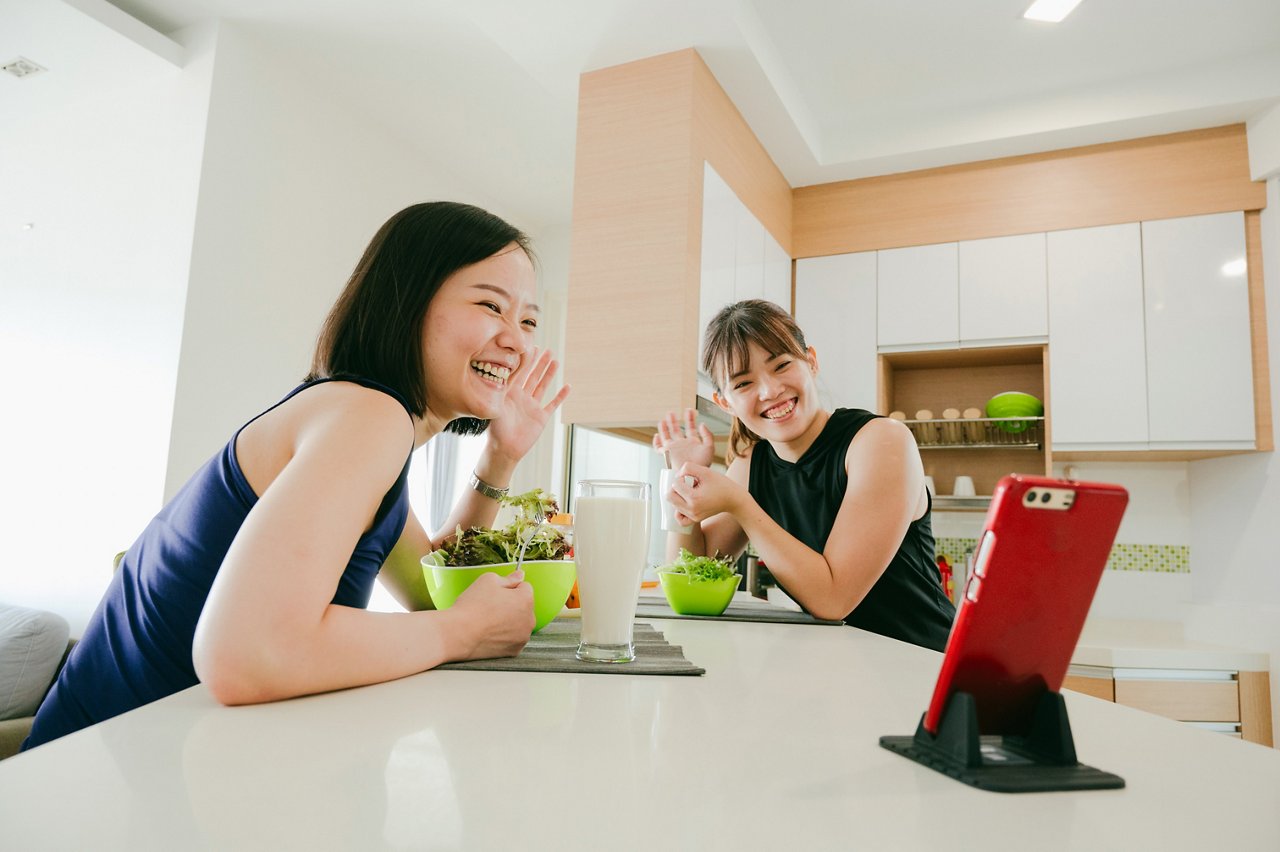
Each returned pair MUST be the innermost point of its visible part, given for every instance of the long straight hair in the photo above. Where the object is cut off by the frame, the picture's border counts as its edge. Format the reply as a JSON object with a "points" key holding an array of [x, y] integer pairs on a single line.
{"points": [[374, 329], [725, 351]]}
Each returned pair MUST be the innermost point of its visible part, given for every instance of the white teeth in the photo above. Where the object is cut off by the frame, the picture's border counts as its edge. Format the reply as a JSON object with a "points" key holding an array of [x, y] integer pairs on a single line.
{"points": [[493, 371], [780, 411]]}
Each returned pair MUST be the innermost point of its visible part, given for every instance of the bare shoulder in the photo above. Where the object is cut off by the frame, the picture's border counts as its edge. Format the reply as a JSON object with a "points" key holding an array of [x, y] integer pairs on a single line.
{"points": [[345, 411], [880, 440]]}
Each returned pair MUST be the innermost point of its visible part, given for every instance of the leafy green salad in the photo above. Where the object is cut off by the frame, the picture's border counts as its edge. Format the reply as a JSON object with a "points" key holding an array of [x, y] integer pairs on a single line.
{"points": [[484, 546], [701, 567]]}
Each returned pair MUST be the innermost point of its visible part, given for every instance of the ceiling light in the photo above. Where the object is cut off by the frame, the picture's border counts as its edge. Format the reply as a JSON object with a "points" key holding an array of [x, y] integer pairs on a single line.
{"points": [[22, 67], [1052, 11]]}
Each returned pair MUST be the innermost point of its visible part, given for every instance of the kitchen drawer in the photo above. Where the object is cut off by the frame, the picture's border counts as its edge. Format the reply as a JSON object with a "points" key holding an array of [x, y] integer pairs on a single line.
{"points": [[1091, 680], [1207, 699]]}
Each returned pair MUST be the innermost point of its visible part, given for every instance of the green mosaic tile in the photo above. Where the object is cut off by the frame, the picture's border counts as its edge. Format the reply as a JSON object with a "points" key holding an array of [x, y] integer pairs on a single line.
{"points": [[1161, 558]]}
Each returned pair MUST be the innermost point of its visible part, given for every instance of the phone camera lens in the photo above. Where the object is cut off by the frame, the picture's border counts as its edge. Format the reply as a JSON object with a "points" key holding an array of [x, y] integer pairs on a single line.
{"points": [[1046, 497], [1031, 497]]}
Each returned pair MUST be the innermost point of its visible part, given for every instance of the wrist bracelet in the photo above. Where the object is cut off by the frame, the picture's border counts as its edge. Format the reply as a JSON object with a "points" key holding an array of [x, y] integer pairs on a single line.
{"points": [[486, 489]]}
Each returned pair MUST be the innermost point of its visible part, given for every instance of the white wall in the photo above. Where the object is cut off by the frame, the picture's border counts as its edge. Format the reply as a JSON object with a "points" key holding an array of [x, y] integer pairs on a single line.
{"points": [[91, 302], [294, 186], [188, 240]]}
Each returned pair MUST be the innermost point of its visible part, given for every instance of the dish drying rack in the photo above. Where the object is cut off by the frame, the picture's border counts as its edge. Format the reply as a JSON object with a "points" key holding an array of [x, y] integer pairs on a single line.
{"points": [[978, 433]]}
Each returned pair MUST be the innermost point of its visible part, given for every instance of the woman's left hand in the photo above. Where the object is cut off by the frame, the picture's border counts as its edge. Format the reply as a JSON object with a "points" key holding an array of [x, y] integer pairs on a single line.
{"points": [[523, 417]]}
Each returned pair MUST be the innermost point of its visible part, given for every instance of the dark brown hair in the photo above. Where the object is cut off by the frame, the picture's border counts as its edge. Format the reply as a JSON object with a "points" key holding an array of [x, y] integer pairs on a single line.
{"points": [[374, 329], [725, 352]]}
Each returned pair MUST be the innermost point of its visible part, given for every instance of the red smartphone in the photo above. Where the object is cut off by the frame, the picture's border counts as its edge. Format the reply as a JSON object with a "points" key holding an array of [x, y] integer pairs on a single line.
{"points": [[1041, 554]]}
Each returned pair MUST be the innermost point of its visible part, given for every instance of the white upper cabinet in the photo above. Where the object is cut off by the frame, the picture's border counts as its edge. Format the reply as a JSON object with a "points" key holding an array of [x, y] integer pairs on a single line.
{"points": [[777, 273], [918, 296], [1199, 356], [836, 309], [1097, 343], [740, 258], [1002, 290]]}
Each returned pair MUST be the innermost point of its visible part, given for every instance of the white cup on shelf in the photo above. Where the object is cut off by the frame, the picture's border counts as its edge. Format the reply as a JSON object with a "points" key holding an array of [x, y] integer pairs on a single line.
{"points": [[964, 487]]}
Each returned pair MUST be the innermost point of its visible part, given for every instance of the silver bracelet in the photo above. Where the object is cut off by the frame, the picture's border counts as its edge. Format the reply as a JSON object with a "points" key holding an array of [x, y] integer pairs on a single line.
{"points": [[486, 489]]}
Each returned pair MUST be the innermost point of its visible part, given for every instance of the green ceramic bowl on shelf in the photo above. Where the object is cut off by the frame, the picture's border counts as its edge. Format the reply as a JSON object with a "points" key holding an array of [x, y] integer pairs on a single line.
{"points": [[689, 596], [552, 580], [1014, 404]]}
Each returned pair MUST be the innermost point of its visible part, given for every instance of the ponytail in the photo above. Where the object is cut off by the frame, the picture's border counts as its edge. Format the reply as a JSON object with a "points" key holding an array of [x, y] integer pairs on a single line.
{"points": [[741, 439]]}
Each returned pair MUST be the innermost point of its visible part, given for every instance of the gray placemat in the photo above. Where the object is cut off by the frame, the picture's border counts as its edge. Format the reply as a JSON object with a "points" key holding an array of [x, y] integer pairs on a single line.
{"points": [[658, 608], [552, 649]]}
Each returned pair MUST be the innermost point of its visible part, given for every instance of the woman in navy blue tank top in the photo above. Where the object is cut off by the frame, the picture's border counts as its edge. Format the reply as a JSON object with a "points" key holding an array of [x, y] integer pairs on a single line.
{"points": [[253, 579], [834, 502]]}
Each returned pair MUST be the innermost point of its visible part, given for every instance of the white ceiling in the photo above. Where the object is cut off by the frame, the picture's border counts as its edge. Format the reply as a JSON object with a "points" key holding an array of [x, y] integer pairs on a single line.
{"points": [[835, 89]]}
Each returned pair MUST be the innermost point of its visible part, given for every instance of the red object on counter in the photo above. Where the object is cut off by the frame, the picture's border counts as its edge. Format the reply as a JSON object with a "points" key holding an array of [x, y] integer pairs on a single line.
{"points": [[944, 573]]}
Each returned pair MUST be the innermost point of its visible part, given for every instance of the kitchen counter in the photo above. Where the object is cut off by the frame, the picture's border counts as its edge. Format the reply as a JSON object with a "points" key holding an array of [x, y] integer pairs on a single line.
{"points": [[775, 747], [1117, 643]]}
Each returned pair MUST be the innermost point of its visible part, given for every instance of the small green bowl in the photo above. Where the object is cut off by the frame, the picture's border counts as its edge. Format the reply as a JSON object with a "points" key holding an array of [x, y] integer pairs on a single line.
{"points": [[688, 596], [1014, 404], [552, 580]]}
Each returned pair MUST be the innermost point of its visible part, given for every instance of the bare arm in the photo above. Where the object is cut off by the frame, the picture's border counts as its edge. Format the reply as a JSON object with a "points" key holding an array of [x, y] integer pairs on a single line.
{"points": [[884, 495], [268, 630]]}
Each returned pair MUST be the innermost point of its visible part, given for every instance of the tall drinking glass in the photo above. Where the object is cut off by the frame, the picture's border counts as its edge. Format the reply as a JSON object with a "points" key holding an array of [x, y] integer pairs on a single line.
{"points": [[610, 543]]}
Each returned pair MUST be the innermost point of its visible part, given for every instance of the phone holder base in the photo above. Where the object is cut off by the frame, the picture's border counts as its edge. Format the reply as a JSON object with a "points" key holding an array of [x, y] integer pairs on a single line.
{"points": [[1042, 760]]}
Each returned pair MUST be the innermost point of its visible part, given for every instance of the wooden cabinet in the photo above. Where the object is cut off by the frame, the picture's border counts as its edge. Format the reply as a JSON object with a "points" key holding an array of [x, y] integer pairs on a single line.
{"points": [[1097, 338], [918, 297], [1199, 357], [836, 308], [1002, 290], [960, 379], [1234, 702]]}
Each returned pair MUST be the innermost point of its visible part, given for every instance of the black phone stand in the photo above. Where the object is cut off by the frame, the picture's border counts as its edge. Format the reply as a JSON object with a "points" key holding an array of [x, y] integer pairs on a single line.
{"points": [[1042, 760]]}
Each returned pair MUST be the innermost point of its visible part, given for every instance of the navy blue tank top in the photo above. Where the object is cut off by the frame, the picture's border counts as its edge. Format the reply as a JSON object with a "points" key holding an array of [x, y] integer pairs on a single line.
{"points": [[907, 602], [137, 645]]}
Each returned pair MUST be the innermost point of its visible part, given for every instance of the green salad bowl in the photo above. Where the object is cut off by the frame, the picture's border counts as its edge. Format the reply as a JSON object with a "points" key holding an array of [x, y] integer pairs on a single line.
{"points": [[552, 580], [690, 596], [1014, 404]]}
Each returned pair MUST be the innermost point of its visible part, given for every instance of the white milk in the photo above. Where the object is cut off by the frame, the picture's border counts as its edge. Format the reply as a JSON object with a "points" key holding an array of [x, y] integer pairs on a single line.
{"points": [[610, 543]]}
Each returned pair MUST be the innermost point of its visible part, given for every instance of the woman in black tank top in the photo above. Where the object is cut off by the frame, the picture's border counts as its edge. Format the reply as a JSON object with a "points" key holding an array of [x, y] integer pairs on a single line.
{"points": [[834, 502]]}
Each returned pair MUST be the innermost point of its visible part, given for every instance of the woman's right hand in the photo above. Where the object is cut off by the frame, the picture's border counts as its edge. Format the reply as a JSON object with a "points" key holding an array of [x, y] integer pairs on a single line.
{"points": [[684, 440], [498, 614]]}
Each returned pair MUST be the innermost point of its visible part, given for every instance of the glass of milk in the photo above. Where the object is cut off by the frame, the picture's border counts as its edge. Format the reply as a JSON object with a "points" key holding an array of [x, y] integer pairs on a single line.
{"points": [[610, 546]]}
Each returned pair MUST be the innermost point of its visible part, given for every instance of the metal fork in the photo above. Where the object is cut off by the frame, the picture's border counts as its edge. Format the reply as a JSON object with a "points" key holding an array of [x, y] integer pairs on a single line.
{"points": [[538, 518]]}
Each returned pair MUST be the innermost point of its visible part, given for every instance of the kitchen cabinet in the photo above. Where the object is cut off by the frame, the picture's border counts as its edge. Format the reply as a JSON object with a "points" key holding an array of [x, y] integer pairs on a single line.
{"points": [[1002, 291], [1149, 337], [836, 308], [1097, 338], [1232, 702], [960, 379], [973, 293], [740, 259], [1199, 355], [918, 297]]}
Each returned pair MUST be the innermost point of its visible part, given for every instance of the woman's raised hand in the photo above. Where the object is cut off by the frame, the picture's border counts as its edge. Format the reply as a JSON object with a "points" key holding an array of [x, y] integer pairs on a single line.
{"points": [[684, 440], [516, 429]]}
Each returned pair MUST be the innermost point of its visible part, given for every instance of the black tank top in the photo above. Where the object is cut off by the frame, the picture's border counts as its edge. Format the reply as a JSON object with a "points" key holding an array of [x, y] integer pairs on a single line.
{"points": [[907, 602]]}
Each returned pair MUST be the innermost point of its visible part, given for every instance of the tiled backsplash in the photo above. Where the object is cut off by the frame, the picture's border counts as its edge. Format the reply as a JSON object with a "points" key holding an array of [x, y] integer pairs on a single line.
{"points": [[1165, 558]]}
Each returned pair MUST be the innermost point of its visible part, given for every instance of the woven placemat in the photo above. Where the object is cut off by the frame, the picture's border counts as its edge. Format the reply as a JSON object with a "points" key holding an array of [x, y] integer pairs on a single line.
{"points": [[552, 649], [658, 608]]}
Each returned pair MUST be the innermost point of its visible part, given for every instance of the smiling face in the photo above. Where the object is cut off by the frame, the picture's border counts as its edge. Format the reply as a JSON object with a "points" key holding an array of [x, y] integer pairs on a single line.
{"points": [[475, 334], [774, 396]]}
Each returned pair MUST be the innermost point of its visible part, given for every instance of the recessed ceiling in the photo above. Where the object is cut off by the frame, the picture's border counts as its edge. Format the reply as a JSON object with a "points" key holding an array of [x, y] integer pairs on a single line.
{"points": [[835, 89]]}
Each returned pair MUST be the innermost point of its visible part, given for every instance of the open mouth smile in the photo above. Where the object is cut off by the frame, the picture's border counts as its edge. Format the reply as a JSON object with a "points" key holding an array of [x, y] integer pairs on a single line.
{"points": [[494, 374], [779, 411]]}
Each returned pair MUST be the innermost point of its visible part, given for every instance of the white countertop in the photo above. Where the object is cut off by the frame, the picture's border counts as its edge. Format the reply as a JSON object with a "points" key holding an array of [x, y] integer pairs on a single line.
{"points": [[1119, 643], [775, 747]]}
